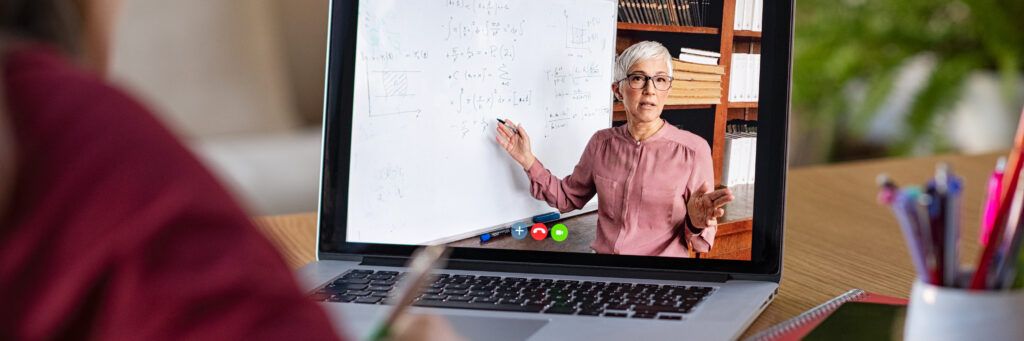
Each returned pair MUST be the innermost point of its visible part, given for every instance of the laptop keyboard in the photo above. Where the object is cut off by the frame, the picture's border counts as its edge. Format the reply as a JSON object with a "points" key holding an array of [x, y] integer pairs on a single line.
{"points": [[529, 295]]}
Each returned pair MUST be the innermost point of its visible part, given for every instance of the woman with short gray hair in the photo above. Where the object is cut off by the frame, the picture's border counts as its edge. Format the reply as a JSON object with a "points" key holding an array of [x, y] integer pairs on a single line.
{"points": [[654, 181]]}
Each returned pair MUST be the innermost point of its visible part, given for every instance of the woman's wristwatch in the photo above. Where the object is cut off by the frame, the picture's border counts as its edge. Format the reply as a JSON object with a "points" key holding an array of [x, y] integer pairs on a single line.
{"points": [[693, 229]]}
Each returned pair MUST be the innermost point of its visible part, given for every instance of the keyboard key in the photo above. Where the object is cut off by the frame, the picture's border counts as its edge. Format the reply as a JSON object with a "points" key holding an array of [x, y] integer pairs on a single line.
{"points": [[459, 298], [670, 317], [368, 300], [357, 293], [561, 310], [352, 281], [434, 297], [613, 314], [480, 306], [485, 300]]}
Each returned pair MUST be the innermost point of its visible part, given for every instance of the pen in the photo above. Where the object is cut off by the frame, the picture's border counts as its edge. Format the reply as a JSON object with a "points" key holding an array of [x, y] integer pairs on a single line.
{"points": [[513, 129], [948, 186], [981, 272], [486, 237], [898, 202], [421, 265], [995, 184]]}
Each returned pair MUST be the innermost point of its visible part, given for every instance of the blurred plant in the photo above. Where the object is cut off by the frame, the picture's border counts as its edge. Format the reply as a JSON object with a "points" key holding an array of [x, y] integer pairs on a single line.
{"points": [[838, 42]]}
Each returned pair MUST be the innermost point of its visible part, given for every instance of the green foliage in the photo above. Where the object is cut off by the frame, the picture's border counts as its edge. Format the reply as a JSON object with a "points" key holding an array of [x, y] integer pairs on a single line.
{"points": [[839, 41]]}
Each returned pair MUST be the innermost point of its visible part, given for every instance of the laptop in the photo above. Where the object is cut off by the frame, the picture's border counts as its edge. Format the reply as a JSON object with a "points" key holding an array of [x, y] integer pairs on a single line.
{"points": [[410, 159]]}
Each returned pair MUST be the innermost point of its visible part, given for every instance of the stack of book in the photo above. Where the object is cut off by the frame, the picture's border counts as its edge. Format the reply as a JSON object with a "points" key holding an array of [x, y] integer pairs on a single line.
{"points": [[665, 12], [745, 77], [697, 78], [748, 15], [740, 153]]}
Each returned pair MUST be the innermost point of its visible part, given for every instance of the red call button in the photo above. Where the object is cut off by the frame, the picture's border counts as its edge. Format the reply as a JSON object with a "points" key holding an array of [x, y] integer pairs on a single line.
{"points": [[539, 231]]}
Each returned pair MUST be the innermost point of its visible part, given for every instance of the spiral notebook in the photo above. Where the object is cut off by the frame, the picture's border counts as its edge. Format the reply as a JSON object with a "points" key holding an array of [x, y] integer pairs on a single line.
{"points": [[800, 326]]}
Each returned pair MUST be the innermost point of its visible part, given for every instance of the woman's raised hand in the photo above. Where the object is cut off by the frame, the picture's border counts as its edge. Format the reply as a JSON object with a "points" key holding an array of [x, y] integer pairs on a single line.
{"points": [[704, 208], [516, 143]]}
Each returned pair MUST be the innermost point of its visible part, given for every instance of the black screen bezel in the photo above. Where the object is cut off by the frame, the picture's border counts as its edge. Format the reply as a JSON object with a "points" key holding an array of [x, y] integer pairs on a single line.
{"points": [[769, 197]]}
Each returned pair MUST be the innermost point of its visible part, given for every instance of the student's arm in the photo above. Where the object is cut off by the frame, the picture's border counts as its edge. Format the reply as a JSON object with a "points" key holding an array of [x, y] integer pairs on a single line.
{"points": [[7, 161], [703, 206]]}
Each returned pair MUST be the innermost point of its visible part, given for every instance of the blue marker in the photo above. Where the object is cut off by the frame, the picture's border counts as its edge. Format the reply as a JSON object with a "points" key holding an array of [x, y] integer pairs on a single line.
{"points": [[546, 217], [487, 237]]}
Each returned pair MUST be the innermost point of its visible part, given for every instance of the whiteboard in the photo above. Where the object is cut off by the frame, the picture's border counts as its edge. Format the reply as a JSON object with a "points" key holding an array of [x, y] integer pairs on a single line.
{"points": [[432, 76]]}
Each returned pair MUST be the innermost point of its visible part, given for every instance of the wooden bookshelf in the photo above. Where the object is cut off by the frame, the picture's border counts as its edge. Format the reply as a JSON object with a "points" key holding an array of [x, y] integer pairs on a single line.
{"points": [[743, 105], [623, 26], [619, 113], [747, 34], [745, 114]]}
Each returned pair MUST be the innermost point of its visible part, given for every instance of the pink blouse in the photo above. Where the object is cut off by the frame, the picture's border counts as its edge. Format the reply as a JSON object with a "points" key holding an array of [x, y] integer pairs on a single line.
{"points": [[642, 189]]}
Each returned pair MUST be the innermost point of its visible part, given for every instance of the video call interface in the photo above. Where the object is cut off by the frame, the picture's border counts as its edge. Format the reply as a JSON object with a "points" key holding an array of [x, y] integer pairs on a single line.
{"points": [[508, 127]]}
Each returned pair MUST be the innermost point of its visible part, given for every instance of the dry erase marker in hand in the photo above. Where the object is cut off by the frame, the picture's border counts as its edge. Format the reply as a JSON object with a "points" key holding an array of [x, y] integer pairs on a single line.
{"points": [[513, 129]]}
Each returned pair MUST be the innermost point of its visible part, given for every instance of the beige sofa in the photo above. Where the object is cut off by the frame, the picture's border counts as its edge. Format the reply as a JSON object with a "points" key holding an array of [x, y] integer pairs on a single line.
{"points": [[241, 81]]}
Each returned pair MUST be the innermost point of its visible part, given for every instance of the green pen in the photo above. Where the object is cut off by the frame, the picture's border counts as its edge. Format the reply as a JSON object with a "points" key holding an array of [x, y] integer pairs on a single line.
{"points": [[421, 265]]}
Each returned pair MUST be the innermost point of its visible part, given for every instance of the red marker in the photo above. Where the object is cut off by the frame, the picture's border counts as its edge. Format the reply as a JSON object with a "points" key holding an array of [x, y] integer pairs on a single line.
{"points": [[539, 231]]}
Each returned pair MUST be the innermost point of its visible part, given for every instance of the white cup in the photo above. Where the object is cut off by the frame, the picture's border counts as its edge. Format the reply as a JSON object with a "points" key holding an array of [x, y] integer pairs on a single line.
{"points": [[941, 313]]}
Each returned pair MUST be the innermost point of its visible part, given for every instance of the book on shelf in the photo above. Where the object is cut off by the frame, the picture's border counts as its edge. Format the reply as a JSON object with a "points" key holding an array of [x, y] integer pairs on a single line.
{"points": [[748, 15], [689, 93], [697, 85], [693, 101], [699, 56], [740, 153], [665, 12], [680, 75], [678, 65], [744, 77]]}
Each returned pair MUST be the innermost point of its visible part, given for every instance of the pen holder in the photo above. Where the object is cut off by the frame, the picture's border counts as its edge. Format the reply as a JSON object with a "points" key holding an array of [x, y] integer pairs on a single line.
{"points": [[943, 313]]}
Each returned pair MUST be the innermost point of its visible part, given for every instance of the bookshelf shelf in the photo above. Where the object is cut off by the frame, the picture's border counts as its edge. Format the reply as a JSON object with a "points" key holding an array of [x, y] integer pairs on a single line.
{"points": [[743, 105], [619, 113], [747, 34], [622, 26]]}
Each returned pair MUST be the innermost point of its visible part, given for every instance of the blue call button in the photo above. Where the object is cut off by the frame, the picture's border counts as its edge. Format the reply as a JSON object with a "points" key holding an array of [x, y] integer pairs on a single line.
{"points": [[520, 230]]}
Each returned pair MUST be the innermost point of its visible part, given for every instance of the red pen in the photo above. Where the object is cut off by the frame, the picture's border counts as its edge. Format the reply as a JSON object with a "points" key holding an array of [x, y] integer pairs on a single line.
{"points": [[981, 273], [995, 185]]}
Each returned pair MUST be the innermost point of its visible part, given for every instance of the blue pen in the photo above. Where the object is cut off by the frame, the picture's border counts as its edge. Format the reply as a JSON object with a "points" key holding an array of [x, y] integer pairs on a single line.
{"points": [[906, 210], [487, 237], [546, 217]]}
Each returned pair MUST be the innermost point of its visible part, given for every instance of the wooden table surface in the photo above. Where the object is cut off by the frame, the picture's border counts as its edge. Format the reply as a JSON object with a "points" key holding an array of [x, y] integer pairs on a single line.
{"points": [[836, 236]]}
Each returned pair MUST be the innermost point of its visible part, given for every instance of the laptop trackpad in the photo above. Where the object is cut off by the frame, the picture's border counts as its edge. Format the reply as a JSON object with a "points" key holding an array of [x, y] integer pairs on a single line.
{"points": [[495, 328]]}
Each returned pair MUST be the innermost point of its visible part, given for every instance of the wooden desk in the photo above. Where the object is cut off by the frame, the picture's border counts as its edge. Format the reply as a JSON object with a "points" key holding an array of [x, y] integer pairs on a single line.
{"points": [[836, 236]]}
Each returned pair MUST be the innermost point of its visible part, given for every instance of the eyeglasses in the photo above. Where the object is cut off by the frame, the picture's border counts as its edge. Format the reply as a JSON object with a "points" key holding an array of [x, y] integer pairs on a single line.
{"points": [[639, 81]]}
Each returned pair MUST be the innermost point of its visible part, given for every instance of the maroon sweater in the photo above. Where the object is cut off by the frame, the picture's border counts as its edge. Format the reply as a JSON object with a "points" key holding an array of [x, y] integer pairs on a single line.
{"points": [[117, 232]]}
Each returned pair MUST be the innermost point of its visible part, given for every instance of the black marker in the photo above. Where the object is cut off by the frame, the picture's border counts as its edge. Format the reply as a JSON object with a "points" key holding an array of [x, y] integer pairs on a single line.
{"points": [[508, 126]]}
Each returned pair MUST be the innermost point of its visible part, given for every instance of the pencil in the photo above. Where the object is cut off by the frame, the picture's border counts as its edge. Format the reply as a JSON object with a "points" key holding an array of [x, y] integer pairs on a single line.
{"points": [[421, 265]]}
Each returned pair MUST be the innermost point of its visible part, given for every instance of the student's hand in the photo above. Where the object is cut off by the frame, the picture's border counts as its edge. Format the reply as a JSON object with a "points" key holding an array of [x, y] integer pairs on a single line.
{"points": [[704, 208], [424, 328], [517, 145], [7, 164]]}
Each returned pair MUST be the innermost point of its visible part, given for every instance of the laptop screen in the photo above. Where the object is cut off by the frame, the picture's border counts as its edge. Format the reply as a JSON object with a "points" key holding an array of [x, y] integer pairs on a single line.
{"points": [[567, 126]]}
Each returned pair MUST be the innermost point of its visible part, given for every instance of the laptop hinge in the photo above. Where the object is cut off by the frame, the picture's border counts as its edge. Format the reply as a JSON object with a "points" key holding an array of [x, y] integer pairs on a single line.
{"points": [[575, 270]]}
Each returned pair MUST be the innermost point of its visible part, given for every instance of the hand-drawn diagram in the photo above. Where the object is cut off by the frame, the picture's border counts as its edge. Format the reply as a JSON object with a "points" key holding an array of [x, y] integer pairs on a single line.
{"points": [[390, 92]]}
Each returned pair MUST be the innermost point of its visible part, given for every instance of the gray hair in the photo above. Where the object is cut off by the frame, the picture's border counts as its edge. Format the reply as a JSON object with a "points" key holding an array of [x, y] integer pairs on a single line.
{"points": [[641, 51]]}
